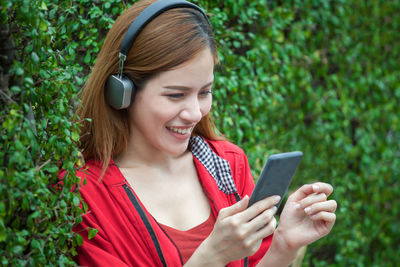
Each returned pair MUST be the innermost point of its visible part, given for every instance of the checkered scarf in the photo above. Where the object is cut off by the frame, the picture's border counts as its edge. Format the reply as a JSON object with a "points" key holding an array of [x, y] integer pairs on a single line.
{"points": [[216, 166]]}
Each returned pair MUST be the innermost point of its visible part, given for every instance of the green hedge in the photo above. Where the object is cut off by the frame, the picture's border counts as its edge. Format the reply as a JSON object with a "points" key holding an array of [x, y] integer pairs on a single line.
{"points": [[319, 76]]}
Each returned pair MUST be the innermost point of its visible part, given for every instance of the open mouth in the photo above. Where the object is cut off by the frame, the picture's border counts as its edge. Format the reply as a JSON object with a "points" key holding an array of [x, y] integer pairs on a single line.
{"points": [[180, 131]]}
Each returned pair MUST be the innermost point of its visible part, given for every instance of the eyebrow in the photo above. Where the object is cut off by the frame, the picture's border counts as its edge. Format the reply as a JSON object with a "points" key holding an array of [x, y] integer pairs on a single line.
{"points": [[185, 88]]}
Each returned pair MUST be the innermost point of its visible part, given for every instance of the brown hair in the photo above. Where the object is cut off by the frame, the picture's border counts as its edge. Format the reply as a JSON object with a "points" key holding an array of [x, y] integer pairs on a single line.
{"points": [[171, 39]]}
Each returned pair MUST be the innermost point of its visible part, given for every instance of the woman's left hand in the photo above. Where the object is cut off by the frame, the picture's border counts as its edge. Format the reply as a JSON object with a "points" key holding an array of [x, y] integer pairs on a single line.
{"points": [[307, 216]]}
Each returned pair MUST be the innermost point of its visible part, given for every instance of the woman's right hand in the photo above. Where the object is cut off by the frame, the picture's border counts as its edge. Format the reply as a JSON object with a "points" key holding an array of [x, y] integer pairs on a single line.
{"points": [[238, 232]]}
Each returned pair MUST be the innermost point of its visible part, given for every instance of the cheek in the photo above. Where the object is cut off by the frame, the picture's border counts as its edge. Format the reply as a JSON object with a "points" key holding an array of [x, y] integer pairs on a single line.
{"points": [[206, 107]]}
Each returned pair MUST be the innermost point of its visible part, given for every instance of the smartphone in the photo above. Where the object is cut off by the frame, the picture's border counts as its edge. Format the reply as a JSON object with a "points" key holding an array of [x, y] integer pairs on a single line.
{"points": [[276, 176]]}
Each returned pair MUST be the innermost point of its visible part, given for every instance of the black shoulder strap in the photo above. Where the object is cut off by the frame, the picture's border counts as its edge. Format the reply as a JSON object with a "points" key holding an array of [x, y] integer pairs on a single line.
{"points": [[150, 229], [146, 222]]}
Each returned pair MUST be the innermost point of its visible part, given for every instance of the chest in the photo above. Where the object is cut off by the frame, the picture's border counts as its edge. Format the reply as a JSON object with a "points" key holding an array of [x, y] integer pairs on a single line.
{"points": [[174, 199]]}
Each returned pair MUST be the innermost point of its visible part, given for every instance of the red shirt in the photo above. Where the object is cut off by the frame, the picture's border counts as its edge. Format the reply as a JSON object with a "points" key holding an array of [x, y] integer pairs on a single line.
{"points": [[123, 239], [188, 241]]}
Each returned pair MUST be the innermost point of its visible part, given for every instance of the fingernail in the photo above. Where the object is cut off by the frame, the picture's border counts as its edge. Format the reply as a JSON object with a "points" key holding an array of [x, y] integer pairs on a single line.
{"points": [[274, 209], [315, 187], [297, 206], [307, 210], [277, 198], [243, 200]]}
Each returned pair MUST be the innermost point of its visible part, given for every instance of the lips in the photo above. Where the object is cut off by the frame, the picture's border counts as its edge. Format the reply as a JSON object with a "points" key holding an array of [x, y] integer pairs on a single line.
{"points": [[182, 131]]}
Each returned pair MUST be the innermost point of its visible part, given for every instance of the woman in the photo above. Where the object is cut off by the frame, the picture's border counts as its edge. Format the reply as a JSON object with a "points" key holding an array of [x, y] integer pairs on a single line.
{"points": [[162, 187]]}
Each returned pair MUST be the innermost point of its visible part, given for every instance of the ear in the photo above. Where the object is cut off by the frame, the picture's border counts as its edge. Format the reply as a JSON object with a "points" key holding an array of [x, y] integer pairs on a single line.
{"points": [[119, 91]]}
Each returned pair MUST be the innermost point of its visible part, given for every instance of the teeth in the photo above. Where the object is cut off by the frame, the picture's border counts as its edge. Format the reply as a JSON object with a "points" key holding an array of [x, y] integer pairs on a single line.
{"points": [[180, 131]]}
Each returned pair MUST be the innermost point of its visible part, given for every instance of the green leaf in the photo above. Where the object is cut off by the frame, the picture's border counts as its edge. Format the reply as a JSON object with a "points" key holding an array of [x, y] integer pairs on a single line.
{"points": [[17, 249], [19, 71], [35, 244], [75, 136], [79, 239], [3, 231], [15, 89], [87, 58], [2, 209], [35, 57], [76, 200], [28, 81], [92, 232], [43, 5]]}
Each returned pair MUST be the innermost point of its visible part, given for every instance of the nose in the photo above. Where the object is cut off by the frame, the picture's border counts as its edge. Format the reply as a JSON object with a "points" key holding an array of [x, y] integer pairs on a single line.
{"points": [[192, 111]]}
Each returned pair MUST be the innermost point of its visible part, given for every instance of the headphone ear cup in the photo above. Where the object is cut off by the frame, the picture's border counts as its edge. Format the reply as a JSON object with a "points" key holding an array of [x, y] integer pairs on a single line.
{"points": [[119, 91]]}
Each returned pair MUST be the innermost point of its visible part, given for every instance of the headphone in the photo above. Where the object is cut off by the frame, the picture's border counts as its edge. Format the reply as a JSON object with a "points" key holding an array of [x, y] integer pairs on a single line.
{"points": [[120, 89]]}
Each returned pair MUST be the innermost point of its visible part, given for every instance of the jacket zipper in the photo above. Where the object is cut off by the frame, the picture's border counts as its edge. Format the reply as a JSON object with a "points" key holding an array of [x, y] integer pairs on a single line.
{"points": [[146, 222]]}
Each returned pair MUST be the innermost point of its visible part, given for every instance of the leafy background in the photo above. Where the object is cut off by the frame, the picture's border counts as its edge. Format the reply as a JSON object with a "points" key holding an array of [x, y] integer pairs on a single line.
{"points": [[320, 76]]}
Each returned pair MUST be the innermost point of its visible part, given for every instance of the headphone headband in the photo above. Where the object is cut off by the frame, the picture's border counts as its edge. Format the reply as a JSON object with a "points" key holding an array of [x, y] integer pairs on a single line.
{"points": [[119, 89], [149, 14]]}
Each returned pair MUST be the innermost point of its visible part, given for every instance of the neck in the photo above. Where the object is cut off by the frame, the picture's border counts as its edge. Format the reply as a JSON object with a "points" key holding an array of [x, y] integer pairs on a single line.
{"points": [[139, 154]]}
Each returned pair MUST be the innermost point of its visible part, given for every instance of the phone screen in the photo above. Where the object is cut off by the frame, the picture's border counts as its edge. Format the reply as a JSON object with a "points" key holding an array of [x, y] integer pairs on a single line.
{"points": [[276, 176]]}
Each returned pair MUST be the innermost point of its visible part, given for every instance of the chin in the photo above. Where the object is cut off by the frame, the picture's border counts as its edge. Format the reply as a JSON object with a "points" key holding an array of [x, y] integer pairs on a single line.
{"points": [[178, 150]]}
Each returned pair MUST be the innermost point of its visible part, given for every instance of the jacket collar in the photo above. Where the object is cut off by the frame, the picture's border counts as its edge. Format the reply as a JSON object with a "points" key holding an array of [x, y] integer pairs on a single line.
{"points": [[217, 167]]}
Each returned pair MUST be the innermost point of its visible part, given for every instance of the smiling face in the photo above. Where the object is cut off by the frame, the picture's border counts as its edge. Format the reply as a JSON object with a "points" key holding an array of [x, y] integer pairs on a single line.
{"points": [[167, 108]]}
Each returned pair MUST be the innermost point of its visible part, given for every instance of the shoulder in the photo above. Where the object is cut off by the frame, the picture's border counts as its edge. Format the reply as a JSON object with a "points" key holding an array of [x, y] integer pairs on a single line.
{"points": [[93, 173], [88, 178], [240, 169], [235, 156], [90, 170], [222, 147]]}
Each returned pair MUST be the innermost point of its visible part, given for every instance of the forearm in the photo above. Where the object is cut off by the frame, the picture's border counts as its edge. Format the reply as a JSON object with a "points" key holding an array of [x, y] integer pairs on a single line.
{"points": [[238, 232], [279, 254], [205, 255]]}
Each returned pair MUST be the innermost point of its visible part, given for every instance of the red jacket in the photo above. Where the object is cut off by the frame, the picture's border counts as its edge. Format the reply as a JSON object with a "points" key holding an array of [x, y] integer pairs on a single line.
{"points": [[123, 239]]}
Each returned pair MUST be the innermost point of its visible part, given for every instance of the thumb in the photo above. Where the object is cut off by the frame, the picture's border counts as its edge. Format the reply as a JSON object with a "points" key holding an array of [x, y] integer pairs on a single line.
{"points": [[302, 192], [235, 208]]}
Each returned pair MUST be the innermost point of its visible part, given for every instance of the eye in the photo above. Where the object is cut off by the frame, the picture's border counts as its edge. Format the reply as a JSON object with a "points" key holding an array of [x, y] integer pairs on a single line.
{"points": [[175, 95], [206, 92]]}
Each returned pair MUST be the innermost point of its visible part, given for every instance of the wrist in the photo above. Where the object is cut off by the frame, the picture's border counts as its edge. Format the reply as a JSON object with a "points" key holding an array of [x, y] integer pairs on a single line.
{"points": [[281, 247], [205, 255], [279, 253]]}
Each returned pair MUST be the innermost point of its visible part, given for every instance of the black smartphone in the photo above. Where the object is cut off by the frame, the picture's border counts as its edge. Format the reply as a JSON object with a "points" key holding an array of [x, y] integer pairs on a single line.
{"points": [[276, 176]]}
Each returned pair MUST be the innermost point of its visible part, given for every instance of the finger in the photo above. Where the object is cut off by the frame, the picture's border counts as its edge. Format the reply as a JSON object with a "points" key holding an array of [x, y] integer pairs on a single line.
{"points": [[301, 193], [309, 189], [259, 207], [310, 200], [234, 209], [329, 206], [266, 230], [325, 188], [329, 217], [262, 219], [253, 242]]}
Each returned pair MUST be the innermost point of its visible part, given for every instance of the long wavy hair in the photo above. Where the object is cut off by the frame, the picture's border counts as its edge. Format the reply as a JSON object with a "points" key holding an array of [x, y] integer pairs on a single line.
{"points": [[171, 39]]}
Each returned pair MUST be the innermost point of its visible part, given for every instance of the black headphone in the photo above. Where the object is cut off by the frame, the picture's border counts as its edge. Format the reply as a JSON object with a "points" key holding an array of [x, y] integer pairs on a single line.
{"points": [[120, 90]]}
